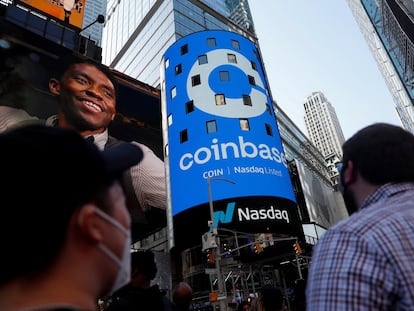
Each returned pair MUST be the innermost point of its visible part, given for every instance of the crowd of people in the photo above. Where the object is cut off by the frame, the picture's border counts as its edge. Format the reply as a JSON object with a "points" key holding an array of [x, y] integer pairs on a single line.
{"points": [[75, 192]]}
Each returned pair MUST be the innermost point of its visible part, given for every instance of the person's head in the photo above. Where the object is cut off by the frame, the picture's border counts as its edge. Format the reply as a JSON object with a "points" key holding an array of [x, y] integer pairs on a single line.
{"points": [[182, 295], [243, 306], [87, 95], [378, 154], [143, 268], [60, 199], [272, 298]]}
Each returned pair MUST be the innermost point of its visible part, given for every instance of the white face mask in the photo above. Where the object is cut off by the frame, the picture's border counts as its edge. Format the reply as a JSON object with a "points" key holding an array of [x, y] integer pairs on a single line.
{"points": [[124, 264]]}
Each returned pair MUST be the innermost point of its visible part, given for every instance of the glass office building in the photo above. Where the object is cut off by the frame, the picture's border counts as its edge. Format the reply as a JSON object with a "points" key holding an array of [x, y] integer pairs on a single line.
{"points": [[93, 29], [138, 32], [388, 27]]}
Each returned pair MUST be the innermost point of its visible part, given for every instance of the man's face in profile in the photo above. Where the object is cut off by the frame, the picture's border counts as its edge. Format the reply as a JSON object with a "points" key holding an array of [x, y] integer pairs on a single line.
{"points": [[87, 97]]}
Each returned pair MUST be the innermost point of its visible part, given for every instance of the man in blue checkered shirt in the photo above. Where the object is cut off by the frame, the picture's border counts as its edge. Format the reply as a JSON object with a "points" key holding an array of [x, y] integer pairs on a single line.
{"points": [[366, 262]]}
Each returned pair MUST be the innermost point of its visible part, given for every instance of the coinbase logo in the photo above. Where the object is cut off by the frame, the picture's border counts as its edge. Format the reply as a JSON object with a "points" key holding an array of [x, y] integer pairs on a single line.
{"points": [[234, 88]]}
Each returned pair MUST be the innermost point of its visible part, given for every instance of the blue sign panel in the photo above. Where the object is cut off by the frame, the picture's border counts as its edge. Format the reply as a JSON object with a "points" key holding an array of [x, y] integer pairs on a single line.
{"points": [[219, 123]]}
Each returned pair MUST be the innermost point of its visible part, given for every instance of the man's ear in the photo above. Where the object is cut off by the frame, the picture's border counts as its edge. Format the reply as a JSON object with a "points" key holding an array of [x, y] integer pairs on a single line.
{"points": [[90, 223], [54, 86], [350, 173]]}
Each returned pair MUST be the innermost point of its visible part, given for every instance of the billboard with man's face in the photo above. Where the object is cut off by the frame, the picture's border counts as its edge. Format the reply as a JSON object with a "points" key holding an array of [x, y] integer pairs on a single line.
{"points": [[25, 98], [68, 11]]}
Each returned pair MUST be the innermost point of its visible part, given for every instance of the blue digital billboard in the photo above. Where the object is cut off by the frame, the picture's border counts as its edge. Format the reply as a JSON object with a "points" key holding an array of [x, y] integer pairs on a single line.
{"points": [[219, 124]]}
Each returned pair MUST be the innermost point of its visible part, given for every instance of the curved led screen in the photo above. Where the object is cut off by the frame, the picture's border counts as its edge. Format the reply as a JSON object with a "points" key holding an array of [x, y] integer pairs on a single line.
{"points": [[219, 123]]}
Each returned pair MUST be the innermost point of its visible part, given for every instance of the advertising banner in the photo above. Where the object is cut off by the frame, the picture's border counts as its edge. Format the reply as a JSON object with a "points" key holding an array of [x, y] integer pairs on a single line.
{"points": [[221, 138], [220, 122], [68, 11], [26, 98]]}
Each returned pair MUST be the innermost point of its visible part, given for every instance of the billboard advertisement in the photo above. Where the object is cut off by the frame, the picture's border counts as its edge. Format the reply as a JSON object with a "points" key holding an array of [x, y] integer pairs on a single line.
{"points": [[219, 127], [25, 98], [68, 11]]}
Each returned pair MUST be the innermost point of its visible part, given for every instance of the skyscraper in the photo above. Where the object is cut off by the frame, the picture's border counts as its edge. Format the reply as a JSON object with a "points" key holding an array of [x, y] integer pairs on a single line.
{"points": [[388, 27], [323, 125], [137, 32], [93, 8]]}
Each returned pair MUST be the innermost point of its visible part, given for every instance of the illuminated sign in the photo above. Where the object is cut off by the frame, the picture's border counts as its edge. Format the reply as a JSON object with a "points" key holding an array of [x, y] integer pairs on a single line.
{"points": [[68, 11], [219, 124]]}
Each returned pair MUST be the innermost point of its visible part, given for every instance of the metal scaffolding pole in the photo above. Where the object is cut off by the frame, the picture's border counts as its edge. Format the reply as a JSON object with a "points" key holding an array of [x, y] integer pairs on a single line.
{"points": [[217, 256]]}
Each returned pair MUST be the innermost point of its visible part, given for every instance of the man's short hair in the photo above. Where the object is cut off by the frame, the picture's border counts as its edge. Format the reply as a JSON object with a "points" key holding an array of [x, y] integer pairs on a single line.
{"points": [[182, 294], [144, 261], [382, 153], [65, 62]]}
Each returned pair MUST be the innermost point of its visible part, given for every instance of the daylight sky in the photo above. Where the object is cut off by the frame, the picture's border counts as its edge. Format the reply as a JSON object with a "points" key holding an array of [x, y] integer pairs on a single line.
{"points": [[316, 45]]}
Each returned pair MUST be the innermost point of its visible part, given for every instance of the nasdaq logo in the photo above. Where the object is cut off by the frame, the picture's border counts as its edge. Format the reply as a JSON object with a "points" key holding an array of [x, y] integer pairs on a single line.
{"points": [[249, 214], [224, 217]]}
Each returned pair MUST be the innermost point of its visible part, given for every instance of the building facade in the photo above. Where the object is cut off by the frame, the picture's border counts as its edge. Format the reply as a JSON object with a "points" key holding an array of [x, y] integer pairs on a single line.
{"points": [[93, 8], [388, 28], [316, 193], [323, 125], [137, 33]]}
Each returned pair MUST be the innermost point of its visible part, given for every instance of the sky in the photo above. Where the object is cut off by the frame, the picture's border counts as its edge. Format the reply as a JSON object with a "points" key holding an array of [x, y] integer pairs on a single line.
{"points": [[316, 45]]}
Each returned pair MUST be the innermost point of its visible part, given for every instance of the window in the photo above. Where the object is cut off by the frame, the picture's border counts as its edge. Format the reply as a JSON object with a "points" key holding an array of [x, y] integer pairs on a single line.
{"points": [[235, 44], [254, 66], [247, 101], [178, 69], [167, 63], [224, 76], [189, 106], [211, 42], [211, 126], [252, 81], [173, 92], [269, 129], [169, 119], [184, 49], [195, 80], [231, 58], [202, 59], [183, 136], [244, 125], [220, 99]]}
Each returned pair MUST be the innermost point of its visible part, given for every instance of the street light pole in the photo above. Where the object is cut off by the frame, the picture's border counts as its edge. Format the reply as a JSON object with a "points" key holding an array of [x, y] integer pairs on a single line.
{"points": [[214, 231]]}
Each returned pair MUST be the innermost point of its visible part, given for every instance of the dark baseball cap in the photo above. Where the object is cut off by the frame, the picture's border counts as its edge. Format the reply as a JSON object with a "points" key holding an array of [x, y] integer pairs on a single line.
{"points": [[48, 168]]}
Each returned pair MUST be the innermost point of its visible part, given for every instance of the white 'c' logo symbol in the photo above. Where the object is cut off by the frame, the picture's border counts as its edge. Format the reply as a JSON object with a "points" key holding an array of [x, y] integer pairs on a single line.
{"points": [[203, 94]]}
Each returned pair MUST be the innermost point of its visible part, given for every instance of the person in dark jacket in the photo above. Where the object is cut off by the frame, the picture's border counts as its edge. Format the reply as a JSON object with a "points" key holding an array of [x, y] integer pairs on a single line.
{"points": [[139, 294]]}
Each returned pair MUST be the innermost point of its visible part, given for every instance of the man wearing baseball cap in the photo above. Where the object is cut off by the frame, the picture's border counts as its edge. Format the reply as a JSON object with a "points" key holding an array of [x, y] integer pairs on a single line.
{"points": [[65, 235]]}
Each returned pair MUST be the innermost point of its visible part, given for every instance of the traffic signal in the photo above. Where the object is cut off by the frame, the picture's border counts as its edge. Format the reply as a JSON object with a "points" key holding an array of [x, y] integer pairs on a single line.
{"points": [[298, 249], [211, 259], [258, 248]]}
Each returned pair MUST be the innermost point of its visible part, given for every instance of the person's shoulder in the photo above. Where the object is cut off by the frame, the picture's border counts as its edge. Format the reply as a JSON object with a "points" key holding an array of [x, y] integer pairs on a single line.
{"points": [[144, 147], [167, 304]]}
